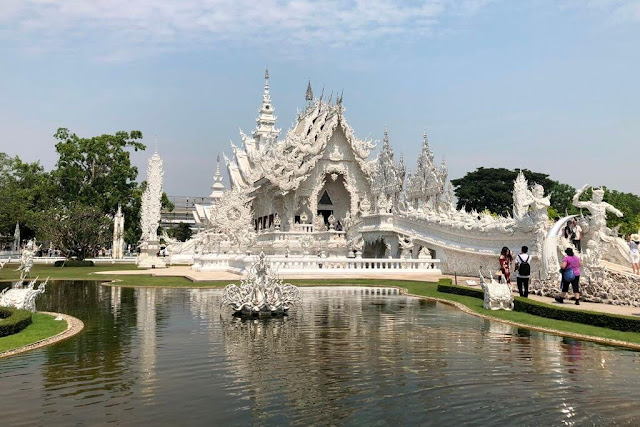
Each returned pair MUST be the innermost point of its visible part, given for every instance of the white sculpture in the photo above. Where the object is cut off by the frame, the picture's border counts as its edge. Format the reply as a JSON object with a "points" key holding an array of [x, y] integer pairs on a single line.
{"points": [[596, 228], [152, 200], [117, 247], [406, 245], [260, 293], [150, 215], [497, 295], [16, 238], [26, 258], [22, 297]]}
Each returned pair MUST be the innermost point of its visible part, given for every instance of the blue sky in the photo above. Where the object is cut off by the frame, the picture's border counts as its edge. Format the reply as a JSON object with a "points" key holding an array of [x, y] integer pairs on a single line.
{"points": [[552, 86]]}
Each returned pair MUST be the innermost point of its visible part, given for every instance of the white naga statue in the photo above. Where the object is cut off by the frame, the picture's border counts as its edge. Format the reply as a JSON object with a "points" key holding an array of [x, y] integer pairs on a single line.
{"points": [[118, 234], [22, 297], [497, 294]]}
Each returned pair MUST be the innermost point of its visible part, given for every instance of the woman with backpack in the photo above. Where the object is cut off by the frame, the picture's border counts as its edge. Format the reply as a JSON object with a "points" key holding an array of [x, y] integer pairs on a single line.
{"points": [[523, 271], [570, 275]]}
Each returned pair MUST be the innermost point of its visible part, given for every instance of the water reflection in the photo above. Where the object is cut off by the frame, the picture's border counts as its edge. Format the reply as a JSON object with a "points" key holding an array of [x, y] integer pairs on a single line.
{"points": [[343, 357]]}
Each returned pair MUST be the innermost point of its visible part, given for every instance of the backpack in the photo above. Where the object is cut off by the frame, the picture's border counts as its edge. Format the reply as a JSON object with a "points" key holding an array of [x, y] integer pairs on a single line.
{"points": [[568, 275], [524, 268]]}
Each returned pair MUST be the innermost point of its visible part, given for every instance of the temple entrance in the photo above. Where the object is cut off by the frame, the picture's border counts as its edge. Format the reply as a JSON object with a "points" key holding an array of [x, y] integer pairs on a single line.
{"points": [[333, 199]]}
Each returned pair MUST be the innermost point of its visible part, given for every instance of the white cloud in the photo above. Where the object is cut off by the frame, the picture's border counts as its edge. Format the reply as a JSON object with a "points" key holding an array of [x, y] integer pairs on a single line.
{"points": [[613, 12], [119, 27]]}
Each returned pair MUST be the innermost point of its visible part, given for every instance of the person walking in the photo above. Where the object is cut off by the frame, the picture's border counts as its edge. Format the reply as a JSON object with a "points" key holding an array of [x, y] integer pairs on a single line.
{"points": [[576, 235], [523, 271], [570, 275], [505, 263], [634, 252]]}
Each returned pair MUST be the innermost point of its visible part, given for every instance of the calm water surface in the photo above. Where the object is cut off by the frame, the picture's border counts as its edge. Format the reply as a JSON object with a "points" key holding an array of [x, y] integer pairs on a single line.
{"points": [[172, 356]]}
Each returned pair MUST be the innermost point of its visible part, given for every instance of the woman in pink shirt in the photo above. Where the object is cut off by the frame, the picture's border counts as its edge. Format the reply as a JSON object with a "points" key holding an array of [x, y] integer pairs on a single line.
{"points": [[570, 275]]}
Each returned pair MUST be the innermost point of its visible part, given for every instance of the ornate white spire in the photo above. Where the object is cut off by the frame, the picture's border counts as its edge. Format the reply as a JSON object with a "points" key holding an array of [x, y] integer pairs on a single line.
{"points": [[266, 121], [309, 96], [118, 234], [217, 187], [388, 179], [429, 180], [151, 200]]}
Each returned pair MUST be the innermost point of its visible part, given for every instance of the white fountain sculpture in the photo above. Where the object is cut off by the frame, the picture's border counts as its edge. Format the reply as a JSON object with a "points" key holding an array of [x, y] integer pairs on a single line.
{"points": [[497, 295], [22, 297], [261, 293]]}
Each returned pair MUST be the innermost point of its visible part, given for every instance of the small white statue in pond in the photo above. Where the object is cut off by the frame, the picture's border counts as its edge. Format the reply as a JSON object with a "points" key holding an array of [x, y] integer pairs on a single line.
{"points": [[497, 295], [22, 297]]}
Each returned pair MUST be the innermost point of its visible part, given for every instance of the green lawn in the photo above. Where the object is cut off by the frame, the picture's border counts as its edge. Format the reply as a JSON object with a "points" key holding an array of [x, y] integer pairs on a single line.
{"points": [[43, 326], [427, 289]]}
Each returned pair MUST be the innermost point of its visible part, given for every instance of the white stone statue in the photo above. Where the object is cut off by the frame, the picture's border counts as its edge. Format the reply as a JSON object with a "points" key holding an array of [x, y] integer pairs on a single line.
{"points": [[497, 295], [26, 258], [22, 297], [260, 293], [424, 253], [16, 238], [406, 245], [118, 235], [538, 204], [597, 229]]}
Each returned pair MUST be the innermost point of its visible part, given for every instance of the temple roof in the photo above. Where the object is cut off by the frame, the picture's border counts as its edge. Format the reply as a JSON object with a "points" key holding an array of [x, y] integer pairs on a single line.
{"points": [[286, 163]]}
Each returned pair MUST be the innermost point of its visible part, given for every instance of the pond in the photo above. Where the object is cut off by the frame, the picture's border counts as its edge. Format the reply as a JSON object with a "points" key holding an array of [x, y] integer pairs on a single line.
{"points": [[169, 356]]}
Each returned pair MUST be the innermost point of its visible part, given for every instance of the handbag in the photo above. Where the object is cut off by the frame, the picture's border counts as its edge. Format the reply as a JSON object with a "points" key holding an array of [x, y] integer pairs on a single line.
{"points": [[568, 275]]}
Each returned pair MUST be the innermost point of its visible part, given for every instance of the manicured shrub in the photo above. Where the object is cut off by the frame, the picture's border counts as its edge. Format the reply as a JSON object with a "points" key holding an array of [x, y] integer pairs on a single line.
{"points": [[536, 308], [604, 320], [445, 281], [13, 320], [73, 263], [460, 290]]}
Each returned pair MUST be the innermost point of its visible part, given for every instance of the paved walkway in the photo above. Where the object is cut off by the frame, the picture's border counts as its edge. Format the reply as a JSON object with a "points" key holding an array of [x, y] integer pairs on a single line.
{"points": [[205, 276]]}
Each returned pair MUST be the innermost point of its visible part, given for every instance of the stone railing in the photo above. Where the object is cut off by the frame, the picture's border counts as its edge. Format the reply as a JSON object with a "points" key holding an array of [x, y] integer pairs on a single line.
{"points": [[317, 266]]}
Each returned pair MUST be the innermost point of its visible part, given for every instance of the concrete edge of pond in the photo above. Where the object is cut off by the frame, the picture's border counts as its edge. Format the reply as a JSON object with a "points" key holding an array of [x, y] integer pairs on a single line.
{"points": [[582, 337], [74, 326]]}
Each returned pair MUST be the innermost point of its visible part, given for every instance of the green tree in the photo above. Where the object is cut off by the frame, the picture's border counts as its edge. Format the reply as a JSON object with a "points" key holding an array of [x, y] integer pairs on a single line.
{"points": [[182, 232], [76, 229], [25, 190], [97, 172], [629, 205], [492, 188]]}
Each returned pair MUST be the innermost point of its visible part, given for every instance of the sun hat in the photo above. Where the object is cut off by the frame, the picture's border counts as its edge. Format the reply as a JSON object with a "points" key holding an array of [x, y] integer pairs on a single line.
{"points": [[635, 237]]}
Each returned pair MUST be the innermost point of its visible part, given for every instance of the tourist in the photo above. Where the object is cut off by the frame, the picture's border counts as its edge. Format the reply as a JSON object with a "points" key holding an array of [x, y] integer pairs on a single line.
{"points": [[505, 263], [523, 271], [570, 275], [568, 230], [634, 252], [577, 235]]}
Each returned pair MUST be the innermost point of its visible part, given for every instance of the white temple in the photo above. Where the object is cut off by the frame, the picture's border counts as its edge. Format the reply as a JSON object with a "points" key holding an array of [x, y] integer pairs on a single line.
{"points": [[317, 202]]}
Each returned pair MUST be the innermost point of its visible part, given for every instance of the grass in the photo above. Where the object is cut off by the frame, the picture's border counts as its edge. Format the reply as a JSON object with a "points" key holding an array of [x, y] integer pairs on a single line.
{"points": [[426, 289], [43, 326]]}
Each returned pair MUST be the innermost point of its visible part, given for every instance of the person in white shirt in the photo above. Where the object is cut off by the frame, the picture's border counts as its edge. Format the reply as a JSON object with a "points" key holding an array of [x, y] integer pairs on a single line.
{"points": [[523, 269], [577, 235]]}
